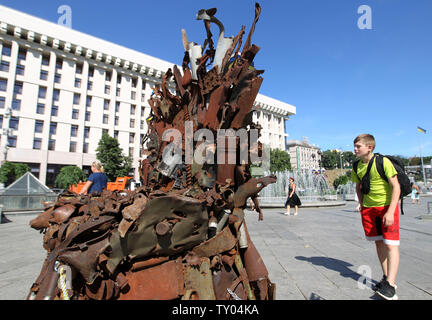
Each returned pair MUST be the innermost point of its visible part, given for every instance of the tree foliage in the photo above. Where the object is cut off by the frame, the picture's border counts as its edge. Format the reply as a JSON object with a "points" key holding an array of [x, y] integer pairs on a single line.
{"points": [[279, 160], [341, 180], [11, 171], [330, 159], [68, 176], [111, 155]]}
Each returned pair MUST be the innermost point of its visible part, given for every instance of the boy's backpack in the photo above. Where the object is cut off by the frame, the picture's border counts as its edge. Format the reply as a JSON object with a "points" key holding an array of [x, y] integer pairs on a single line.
{"points": [[404, 181]]}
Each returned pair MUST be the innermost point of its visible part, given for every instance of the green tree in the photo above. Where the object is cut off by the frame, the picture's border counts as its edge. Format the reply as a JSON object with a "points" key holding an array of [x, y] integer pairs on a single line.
{"points": [[10, 171], [342, 179], [111, 155], [330, 159], [68, 176], [349, 157], [279, 160]]}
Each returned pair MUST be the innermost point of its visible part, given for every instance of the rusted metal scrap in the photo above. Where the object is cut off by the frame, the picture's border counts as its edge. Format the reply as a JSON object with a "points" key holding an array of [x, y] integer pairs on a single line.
{"points": [[182, 234]]}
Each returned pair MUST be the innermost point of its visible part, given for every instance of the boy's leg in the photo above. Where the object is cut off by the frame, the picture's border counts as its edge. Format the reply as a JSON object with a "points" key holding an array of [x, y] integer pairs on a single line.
{"points": [[392, 263], [382, 256], [391, 243]]}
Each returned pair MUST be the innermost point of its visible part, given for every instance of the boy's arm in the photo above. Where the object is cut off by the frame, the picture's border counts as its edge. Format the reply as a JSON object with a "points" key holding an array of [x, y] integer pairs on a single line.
{"points": [[388, 218], [359, 196]]}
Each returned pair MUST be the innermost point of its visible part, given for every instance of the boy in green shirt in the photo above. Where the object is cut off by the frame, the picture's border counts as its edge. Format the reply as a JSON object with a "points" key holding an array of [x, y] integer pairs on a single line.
{"points": [[379, 212]]}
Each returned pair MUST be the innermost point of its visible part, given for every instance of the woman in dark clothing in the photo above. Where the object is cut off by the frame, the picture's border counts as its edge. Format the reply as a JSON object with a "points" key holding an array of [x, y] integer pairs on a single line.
{"points": [[293, 201], [97, 181]]}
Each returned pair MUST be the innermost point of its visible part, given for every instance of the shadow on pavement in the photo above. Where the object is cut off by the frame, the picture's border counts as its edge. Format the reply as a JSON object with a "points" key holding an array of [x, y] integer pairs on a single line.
{"points": [[333, 264], [339, 266]]}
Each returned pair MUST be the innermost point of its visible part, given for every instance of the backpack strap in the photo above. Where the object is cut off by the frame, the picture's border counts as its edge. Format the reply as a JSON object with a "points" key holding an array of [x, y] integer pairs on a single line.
{"points": [[365, 181], [380, 166], [355, 167]]}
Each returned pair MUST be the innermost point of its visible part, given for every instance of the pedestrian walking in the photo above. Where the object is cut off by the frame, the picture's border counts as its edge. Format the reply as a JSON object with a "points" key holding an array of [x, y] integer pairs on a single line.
{"points": [[97, 181], [379, 211], [293, 201], [415, 193]]}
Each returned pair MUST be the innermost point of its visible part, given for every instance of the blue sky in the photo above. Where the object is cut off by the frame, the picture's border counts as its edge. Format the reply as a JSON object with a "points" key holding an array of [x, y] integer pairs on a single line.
{"points": [[343, 80]]}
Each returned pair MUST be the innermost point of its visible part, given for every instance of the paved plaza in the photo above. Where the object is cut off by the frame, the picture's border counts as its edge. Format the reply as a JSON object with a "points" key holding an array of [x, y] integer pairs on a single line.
{"points": [[319, 254]]}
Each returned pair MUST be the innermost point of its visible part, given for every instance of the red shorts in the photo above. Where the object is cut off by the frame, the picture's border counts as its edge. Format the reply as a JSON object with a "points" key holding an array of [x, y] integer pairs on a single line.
{"points": [[374, 227]]}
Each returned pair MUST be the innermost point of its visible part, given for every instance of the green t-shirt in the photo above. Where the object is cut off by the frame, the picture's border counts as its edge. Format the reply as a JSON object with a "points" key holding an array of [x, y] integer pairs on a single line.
{"points": [[380, 193]]}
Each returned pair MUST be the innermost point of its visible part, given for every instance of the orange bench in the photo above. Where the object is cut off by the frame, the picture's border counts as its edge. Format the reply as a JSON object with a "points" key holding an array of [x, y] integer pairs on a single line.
{"points": [[119, 184]]}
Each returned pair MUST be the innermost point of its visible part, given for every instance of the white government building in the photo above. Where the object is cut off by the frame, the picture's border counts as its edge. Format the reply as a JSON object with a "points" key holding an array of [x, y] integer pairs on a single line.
{"points": [[60, 89]]}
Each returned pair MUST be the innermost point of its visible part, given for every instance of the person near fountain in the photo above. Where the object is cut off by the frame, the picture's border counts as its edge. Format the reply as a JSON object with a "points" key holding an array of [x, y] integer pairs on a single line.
{"points": [[293, 201], [415, 193], [97, 181], [379, 211]]}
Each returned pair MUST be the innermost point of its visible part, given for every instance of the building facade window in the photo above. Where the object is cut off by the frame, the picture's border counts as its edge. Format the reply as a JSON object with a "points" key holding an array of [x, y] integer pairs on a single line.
{"points": [[22, 54], [54, 111], [75, 114], [2, 102], [40, 108], [42, 92], [20, 69], [53, 128], [51, 144], [38, 126], [16, 104], [87, 116], [4, 66], [106, 104], [85, 147], [18, 87], [12, 141], [6, 50], [13, 123], [57, 78], [56, 95], [74, 131], [77, 83], [105, 119], [59, 64], [45, 60], [107, 89], [3, 85], [43, 75], [78, 68], [72, 146], [86, 132], [76, 98], [37, 143]]}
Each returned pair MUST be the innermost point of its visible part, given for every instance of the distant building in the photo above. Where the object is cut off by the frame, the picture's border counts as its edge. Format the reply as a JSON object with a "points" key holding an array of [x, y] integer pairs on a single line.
{"points": [[61, 89], [303, 155]]}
